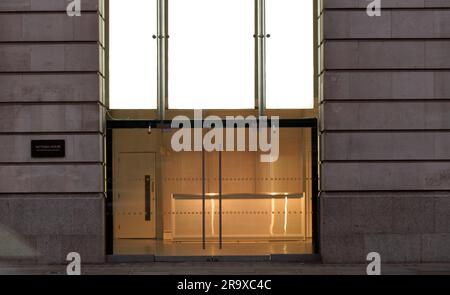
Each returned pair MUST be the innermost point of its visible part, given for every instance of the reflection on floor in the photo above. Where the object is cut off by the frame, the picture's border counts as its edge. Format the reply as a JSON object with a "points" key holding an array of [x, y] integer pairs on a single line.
{"points": [[165, 248]]}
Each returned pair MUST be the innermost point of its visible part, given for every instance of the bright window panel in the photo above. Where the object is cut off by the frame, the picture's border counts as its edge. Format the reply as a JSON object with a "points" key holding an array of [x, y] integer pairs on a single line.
{"points": [[132, 54], [290, 55], [211, 54]]}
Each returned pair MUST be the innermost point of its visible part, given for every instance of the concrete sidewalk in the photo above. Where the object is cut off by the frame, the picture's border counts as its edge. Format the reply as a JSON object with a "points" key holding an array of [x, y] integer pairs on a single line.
{"points": [[226, 268]]}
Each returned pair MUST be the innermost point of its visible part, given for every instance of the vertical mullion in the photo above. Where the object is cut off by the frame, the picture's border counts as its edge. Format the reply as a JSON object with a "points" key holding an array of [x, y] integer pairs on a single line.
{"points": [[220, 198], [166, 56], [261, 55], [255, 36], [162, 60], [315, 197], [203, 200]]}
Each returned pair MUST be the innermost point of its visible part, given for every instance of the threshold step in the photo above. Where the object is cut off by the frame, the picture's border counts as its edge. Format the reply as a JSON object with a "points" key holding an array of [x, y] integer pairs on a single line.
{"points": [[306, 258], [218, 258]]}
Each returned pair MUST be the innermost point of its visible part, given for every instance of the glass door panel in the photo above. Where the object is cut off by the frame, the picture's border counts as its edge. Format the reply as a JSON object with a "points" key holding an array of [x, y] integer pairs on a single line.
{"points": [[182, 198], [265, 204], [190, 192]]}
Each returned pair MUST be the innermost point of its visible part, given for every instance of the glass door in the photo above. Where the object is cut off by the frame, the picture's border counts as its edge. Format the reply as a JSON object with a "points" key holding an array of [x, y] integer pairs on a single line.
{"points": [[190, 192], [182, 193], [170, 201], [265, 204]]}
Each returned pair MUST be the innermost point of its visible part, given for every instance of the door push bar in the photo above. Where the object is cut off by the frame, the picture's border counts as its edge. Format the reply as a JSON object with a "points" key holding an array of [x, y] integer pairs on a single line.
{"points": [[148, 214]]}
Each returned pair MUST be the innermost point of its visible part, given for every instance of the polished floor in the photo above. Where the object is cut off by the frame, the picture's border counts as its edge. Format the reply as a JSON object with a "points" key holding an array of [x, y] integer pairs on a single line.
{"points": [[167, 248]]}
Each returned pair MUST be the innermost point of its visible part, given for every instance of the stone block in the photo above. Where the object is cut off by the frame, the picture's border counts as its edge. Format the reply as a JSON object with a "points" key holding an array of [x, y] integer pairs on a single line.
{"points": [[356, 24], [430, 54], [413, 85], [442, 215], [341, 55], [386, 115], [386, 3], [435, 248], [50, 118], [14, 58], [53, 249], [371, 214], [49, 88], [49, 57], [394, 248], [51, 178], [437, 54], [11, 27], [413, 215], [56, 27], [391, 55], [336, 216], [385, 176], [364, 146], [413, 24], [45, 5], [342, 249], [82, 57], [392, 85]]}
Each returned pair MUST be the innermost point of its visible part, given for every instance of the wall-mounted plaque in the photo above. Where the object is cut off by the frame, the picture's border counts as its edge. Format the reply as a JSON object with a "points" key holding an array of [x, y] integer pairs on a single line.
{"points": [[48, 148]]}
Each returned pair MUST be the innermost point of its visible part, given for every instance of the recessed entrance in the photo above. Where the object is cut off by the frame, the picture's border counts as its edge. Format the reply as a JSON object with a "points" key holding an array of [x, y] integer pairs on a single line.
{"points": [[197, 203]]}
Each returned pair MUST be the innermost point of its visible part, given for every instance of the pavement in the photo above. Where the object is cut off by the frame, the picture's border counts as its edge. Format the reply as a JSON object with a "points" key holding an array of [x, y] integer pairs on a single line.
{"points": [[224, 268]]}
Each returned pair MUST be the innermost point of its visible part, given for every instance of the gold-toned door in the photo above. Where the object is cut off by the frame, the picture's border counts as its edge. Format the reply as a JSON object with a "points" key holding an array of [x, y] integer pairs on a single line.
{"points": [[135, 196]]}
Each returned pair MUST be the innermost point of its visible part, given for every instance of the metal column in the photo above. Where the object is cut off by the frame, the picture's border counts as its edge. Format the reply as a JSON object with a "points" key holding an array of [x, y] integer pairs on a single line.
{"points": [[261, 55], [162, 40], [220, 198], [203, 200]]}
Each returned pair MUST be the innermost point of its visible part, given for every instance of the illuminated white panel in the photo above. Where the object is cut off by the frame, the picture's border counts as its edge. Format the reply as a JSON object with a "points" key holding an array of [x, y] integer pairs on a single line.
{"points": [[211, 54], [132, 54], [290, 55]]}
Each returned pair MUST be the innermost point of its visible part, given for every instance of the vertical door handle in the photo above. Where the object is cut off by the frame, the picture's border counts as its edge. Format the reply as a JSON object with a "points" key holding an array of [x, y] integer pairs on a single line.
{"points": [[220, 198], [148, 215]]}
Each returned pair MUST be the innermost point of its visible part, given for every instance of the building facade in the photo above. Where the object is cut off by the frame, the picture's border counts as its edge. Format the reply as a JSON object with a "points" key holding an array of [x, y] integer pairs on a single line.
{"points": [[383, 122], [384, 119]]}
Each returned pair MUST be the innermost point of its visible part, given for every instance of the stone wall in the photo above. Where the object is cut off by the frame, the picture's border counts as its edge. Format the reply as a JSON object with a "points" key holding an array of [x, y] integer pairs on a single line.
{"points": [[385, 131], [51, 87]]}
